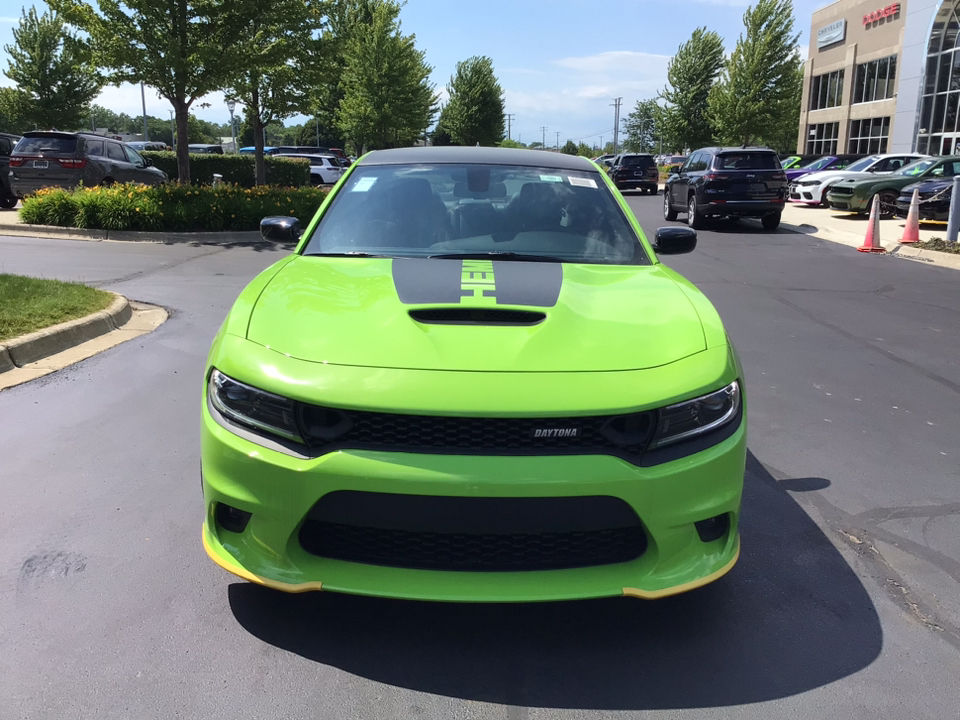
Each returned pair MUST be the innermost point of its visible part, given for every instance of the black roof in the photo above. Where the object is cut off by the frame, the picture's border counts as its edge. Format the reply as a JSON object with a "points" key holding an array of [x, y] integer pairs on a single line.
{"points": [[457, 155], [733, 149]]}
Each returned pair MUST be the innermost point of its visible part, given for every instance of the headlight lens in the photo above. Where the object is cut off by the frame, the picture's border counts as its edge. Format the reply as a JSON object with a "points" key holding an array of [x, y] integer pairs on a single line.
{"points": [[249, 406], [698, 416]]}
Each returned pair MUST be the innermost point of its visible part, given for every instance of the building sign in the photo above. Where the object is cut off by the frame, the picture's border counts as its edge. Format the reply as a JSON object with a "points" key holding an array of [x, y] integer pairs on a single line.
{"points": [[832, 33], [887, 12]]}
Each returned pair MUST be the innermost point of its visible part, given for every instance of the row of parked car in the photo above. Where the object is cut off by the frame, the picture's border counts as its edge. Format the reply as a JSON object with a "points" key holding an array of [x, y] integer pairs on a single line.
{"points": [[42, 159]]}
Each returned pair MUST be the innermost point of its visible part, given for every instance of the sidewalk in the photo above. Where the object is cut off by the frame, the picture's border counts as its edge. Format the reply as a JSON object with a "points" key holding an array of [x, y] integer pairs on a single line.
{"points": [[849, 229]]}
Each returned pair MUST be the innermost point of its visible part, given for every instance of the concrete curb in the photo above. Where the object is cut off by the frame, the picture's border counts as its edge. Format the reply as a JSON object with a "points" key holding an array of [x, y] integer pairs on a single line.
{"points": [[40, 344], [166, 238]]}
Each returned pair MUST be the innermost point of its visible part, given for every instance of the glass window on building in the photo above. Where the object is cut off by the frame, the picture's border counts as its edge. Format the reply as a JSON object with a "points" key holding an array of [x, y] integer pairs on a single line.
{"points": [[826, 90], [822, 138], [875, 80], [938, 128], [868, 136]]}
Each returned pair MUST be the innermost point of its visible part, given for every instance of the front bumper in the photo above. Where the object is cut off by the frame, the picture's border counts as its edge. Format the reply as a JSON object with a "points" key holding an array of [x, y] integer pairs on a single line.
{"points": [[279, 490], [847, 203]]}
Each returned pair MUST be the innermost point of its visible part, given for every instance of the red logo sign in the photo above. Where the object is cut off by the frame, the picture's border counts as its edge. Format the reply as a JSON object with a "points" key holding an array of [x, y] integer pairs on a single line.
{"points": [[888, 11]]}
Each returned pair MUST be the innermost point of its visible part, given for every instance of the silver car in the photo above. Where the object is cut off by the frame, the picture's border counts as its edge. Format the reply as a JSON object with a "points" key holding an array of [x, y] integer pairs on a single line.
{"points": [[60, 159]]}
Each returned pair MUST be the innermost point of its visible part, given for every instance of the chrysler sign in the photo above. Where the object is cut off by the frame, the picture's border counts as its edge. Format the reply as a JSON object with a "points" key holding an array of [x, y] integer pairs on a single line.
{"points": [[832, 33]]}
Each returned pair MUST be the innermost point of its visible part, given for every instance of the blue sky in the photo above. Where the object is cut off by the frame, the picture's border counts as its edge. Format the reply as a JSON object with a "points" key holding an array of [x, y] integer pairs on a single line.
{"points": [[561, 63]]}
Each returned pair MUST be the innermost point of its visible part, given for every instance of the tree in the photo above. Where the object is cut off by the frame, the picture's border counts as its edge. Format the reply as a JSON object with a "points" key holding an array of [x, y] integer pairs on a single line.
{"points": [[585, 150], [388, 100], [282, 64], [474, 114], [441, 133], [644, 127], [183, 49], [690, 74], [53, 70], [13, 111], [509, 143], [569, 148], [759, 82], [782, 134]]}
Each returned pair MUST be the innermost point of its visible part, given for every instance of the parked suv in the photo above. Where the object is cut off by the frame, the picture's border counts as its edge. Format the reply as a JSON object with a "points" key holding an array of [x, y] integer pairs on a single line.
{"points": [[732, 182], [61, 159], [7, 143], [635, 170]]}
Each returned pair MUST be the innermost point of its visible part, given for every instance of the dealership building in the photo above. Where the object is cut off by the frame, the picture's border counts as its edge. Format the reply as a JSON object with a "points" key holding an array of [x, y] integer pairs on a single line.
{"points": [[882, 77]]}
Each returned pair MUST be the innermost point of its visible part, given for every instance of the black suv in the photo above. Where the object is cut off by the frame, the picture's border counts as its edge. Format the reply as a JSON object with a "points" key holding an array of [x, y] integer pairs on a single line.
{"points": [[7, 143], [635, 170], [731, 182]]}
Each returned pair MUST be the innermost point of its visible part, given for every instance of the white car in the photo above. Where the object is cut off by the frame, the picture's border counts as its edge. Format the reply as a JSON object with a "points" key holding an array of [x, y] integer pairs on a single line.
{"points": [[324, 169], [812, 188]]}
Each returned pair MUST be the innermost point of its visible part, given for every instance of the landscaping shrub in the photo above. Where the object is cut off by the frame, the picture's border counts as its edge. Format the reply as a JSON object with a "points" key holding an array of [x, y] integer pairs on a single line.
{"points": [[236, 169], [172, 208]]}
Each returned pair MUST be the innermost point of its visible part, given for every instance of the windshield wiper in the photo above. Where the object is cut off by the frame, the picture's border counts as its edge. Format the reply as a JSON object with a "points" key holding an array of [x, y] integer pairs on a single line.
{"points": [[497, 255], [353, 253]]}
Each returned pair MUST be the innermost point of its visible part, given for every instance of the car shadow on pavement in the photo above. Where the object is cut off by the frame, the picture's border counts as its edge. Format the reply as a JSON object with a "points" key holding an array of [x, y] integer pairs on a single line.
{"points": [[790, 617]]}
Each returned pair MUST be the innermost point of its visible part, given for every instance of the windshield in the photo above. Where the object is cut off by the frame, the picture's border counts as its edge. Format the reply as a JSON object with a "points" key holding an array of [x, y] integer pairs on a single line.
{"points": [[819, 163], [862, 164], [513, 212], [915, 168]]}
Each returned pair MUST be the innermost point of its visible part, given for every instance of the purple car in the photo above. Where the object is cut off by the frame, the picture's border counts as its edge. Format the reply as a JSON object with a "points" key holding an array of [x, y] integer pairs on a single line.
{"points": [[827, 162]]}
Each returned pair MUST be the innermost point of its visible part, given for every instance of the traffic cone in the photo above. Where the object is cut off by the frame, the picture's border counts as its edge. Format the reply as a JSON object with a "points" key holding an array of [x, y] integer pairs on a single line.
{"points": [[911, 233], [871, 243]]}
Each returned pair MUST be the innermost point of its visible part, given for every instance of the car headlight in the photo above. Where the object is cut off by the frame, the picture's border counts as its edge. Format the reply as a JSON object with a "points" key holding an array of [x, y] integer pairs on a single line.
{"points": [[697, 417], [255, 408], [808, 183]]}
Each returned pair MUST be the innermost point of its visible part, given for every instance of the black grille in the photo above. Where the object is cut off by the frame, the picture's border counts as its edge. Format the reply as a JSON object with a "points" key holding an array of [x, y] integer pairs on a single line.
{"points": [[473, 534], [842, 190], [477, 316], [625, 436]]}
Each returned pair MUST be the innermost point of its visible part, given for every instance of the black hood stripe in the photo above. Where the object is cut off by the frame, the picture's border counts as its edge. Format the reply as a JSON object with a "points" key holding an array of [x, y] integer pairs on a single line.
{"points": [[477, 282]]}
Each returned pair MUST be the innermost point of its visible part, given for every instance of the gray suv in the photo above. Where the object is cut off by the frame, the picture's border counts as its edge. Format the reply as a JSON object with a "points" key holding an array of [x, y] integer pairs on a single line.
{"points": [[44, 159]]}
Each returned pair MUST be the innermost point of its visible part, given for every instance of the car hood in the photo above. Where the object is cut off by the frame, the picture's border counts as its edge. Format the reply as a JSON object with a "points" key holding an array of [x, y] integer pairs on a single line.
{"points": [[927, 186], [356, 311], [823, 176]]}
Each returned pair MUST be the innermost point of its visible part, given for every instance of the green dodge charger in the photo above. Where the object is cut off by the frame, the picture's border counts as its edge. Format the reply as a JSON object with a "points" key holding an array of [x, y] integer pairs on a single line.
{"points": [[473, 380], [856, 195]]}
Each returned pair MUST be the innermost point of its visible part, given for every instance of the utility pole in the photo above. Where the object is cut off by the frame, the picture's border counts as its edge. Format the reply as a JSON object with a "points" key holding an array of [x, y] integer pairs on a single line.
{"points": [[558, 139], [616, 122], [143, 97], [543, 143], [509, 117]]}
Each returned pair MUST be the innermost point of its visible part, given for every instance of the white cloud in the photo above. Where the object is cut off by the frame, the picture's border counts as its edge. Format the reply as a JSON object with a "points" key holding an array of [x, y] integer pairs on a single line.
{"points": [[614, 61], [10, 20], [728, 3]]}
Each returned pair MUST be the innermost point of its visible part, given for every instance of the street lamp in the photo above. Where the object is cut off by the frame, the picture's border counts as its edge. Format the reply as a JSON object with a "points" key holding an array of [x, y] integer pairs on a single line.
{"points": [[231, 105]]}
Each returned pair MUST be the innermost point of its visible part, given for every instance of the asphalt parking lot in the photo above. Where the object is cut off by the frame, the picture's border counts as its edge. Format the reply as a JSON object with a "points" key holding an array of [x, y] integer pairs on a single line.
{"points": [[844, 603]]}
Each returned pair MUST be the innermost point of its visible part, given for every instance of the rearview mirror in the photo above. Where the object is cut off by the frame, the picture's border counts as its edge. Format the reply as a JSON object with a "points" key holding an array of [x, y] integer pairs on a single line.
{"points": [[280, 229], [674, 240]]}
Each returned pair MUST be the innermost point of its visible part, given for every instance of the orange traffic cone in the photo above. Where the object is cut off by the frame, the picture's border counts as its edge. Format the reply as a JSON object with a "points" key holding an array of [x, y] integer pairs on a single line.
{"points": [[911, 233], [871, 243]]}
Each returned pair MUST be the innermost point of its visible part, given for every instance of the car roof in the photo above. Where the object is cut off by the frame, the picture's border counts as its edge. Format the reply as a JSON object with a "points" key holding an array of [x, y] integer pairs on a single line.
{"points": [[306, 155], [479, 156], [751, 148]]}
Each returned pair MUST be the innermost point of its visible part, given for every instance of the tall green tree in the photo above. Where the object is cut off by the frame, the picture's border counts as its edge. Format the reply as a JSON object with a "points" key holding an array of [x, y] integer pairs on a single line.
{"points": [[53, 70], [12, 111], [474, 113], [759, 83], [183, 49], [569, 148], [388, 100], [644, 127], [283, 62], [690, 75]]}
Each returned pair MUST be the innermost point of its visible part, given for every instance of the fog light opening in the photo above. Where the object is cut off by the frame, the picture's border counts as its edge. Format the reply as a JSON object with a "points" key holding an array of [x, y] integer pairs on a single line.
{"points": [[231, 519], [713, 528]]}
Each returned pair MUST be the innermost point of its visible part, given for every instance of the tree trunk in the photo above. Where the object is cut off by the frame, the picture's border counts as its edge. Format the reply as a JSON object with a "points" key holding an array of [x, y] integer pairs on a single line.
{"points": [[182, 111]]}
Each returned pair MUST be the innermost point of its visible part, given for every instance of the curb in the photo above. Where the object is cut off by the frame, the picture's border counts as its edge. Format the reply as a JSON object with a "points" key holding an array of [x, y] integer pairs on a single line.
{"points": [[37, 345], [64, 233]]}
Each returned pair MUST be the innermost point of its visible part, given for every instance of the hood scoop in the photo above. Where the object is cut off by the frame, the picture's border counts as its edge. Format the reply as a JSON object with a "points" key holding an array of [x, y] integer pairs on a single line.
{"points": [[477, 316]]}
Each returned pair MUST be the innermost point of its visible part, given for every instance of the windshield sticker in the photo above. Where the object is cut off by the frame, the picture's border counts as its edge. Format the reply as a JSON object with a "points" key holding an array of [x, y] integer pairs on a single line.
{"points": [[583, 182], [363, 184], [551, 178]]}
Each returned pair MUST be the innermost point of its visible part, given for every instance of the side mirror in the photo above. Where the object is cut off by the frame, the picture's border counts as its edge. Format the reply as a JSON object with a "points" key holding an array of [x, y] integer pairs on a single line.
{"points": [[674, 240], [280, 229], [674, 169], [147, 162]]}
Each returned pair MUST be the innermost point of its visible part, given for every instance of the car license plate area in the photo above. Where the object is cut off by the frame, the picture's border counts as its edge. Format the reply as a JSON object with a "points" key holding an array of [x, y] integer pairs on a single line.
{"points": [[41, 164]]}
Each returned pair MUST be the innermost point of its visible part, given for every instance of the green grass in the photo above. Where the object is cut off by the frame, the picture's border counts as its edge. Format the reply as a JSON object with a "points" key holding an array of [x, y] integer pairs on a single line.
{"points": [[28, 304]]}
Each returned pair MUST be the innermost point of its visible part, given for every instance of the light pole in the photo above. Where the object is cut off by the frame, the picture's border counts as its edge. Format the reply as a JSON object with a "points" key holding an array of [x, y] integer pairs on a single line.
{"points": [[143, 98], [231, 106]]}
